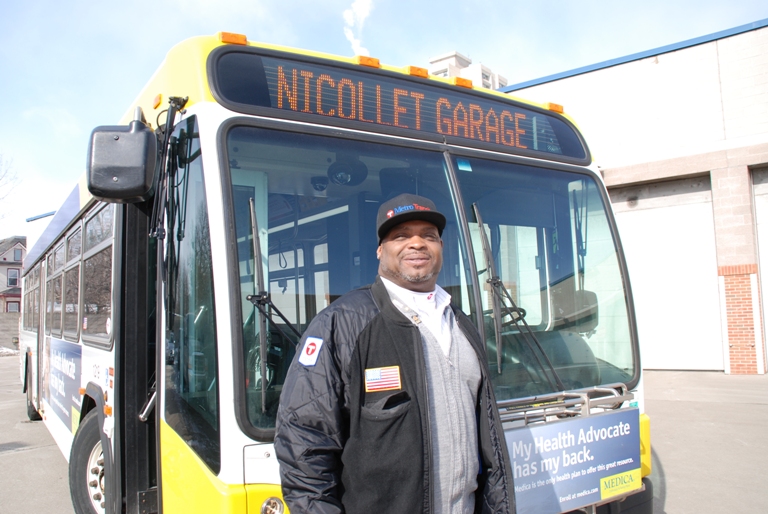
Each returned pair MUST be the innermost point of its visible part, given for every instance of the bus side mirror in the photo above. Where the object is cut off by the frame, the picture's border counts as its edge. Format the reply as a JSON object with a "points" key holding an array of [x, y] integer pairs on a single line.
{"points": [[122, 162]]}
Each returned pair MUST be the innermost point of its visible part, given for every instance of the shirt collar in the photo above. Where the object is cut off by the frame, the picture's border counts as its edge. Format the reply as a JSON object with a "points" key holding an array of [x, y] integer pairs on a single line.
{"points": [[415, 299]]}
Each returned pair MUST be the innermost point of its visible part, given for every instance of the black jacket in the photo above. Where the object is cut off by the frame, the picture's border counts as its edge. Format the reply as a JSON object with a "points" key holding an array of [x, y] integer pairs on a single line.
{"points": [[344, 450]]}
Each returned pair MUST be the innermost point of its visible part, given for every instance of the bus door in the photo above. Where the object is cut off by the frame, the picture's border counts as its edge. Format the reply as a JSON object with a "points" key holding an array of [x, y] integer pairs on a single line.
{"points": [[189, 410]]}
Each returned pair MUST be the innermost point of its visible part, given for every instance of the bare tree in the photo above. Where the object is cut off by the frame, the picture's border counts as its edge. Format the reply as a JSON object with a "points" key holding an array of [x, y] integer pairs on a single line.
{"points": [[8, 181]]}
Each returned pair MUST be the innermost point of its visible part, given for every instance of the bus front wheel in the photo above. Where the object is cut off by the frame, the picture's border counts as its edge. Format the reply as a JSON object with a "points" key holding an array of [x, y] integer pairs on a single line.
{"points": [[86, 468]]}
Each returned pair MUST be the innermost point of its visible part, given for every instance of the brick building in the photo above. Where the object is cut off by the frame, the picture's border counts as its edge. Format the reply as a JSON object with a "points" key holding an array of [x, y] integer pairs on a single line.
{"points": [[681, 136]]}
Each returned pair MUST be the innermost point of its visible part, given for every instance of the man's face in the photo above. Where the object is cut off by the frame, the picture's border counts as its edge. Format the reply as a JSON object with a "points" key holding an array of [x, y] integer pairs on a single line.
{"points": [[411, 255]]}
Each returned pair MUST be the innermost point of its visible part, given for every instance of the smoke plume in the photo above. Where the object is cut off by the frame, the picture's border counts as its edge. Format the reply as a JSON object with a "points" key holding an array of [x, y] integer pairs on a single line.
{"points": [[354, 18]]}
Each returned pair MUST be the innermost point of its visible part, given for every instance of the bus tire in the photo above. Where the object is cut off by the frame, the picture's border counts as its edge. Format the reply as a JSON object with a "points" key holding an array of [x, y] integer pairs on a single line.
{"points": [[86, 468], [32, 413]]}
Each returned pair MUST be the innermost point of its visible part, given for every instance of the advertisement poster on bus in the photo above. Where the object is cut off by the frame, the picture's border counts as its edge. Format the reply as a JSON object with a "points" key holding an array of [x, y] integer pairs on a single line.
{"points": [[566, 465], [63, 381]]}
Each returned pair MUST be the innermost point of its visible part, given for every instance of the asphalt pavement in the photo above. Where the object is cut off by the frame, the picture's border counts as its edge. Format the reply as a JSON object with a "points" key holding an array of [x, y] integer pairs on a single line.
{"points": [[33, 472], [709, 439], [708, 433]]}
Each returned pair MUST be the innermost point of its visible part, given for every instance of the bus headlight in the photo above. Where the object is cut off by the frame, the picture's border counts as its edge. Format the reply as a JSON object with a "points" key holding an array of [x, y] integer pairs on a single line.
{"points": [[272, 506]]}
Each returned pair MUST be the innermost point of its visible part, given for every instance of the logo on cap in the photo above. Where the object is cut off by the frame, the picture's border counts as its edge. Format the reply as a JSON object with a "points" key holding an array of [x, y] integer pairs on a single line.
{"points": [[405, 208]]}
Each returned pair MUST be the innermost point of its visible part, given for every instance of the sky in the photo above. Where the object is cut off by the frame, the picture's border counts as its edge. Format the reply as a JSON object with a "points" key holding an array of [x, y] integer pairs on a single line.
{"points": [[67, 67]]}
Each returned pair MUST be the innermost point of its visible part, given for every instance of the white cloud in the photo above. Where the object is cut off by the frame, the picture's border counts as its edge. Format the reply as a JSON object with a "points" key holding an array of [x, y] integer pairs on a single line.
{"points": [[354, 18]]}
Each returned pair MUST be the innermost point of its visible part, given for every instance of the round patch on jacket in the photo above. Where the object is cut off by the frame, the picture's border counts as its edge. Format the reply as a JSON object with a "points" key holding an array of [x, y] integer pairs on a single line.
{"points": [[310, 351]]}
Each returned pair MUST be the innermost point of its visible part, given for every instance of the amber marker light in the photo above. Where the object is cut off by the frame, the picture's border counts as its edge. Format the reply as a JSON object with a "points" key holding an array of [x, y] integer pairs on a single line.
{"points": [[417, 72], [364, 60], [82, 391], [233, 39], [555, 107], [460, 81], [107, 410], [158, 100]]}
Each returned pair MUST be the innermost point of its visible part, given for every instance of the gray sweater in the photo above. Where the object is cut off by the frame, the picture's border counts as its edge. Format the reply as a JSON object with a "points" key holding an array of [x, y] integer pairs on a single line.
{"points": [[453, 382]]}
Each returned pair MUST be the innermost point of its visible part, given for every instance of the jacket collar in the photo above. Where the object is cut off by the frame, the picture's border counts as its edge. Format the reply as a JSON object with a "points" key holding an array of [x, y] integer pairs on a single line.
{"points": [[385, 305]]}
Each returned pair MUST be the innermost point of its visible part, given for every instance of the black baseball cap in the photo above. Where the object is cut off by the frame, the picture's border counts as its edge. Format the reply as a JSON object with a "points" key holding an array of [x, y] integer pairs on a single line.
{"points": [[407, 207]]}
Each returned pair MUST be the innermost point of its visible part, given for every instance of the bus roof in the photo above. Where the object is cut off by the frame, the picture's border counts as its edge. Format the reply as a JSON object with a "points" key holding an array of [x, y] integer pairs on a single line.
{"points": [[78, 200]]}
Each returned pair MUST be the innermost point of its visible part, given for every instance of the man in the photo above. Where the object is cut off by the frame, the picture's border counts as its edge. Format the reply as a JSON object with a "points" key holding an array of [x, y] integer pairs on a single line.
{"points": [[388, 406]]}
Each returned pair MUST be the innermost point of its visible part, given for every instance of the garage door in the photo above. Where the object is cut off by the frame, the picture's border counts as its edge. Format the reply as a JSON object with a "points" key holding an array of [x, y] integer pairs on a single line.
{"points": [[760, 188], [668, 234]]}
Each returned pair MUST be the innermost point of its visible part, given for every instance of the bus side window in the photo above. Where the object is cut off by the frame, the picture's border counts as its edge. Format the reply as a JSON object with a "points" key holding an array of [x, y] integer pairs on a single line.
{"points": [[96, 324], [49, 296], [56, 323], [71, 290], [71, 300], [35, 300]]}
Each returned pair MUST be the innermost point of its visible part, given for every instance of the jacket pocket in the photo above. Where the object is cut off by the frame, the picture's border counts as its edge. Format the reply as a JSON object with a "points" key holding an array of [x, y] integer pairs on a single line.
{"points": [[387, 408], [383, 460]]}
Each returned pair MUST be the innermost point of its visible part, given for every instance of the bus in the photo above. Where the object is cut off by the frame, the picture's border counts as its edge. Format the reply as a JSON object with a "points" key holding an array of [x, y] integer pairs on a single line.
{"points": [[237, 198]]}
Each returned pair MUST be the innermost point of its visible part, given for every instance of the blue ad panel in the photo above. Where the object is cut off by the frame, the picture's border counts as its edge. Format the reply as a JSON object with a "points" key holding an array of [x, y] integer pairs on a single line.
{"points": [[566, 465], [62, 381]]}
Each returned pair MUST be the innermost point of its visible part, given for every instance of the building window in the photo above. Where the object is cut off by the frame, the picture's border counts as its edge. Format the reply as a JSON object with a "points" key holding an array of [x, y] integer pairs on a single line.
{"points": [[13, 277], [17, 254], [12, 307]]}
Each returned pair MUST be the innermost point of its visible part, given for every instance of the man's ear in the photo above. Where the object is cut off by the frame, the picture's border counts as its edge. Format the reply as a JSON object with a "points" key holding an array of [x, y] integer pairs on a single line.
{"points": [[378, 252]]}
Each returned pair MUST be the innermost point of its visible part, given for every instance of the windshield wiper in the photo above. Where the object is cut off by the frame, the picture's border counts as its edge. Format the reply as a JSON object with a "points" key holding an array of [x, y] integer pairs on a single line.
{"points": [[504, 306], [261, 301]]}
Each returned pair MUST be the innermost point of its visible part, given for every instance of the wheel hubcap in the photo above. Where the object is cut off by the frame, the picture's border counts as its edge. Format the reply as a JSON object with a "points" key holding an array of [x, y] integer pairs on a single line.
{"points": [[95, 476]]}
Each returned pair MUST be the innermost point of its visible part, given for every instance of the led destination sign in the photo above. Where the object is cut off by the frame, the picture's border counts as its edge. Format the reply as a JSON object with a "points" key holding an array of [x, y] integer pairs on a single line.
{"points": [[387, 102]]}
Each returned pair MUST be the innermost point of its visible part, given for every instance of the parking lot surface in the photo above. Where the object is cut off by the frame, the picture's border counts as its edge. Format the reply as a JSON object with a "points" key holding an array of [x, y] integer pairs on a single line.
{"points": [[33, 472], [710, 441]]}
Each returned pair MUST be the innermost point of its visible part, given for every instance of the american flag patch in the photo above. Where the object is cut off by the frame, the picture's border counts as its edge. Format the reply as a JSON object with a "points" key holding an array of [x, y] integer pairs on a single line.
{"points": [[382, 379]]}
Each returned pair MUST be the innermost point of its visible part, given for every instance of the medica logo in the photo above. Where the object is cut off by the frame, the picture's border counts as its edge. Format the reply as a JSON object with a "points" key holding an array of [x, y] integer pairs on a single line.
{"points": [[619, 484]]}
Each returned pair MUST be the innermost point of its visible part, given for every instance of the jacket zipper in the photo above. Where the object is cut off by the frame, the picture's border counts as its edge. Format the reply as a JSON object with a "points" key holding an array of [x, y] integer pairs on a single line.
{"points": [[421, 369]]}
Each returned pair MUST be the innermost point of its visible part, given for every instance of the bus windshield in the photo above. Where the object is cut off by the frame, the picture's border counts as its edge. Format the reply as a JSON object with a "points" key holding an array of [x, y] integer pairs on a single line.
{"points": [[315, 202], [550, 244]]}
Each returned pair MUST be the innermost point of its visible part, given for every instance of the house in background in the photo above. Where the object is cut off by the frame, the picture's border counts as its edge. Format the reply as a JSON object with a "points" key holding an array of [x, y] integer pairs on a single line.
{"points": [[12, 253]]}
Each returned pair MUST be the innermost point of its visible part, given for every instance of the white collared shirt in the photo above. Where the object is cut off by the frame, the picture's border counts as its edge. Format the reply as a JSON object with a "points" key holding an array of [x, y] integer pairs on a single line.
{"points": [[433, 308]]}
